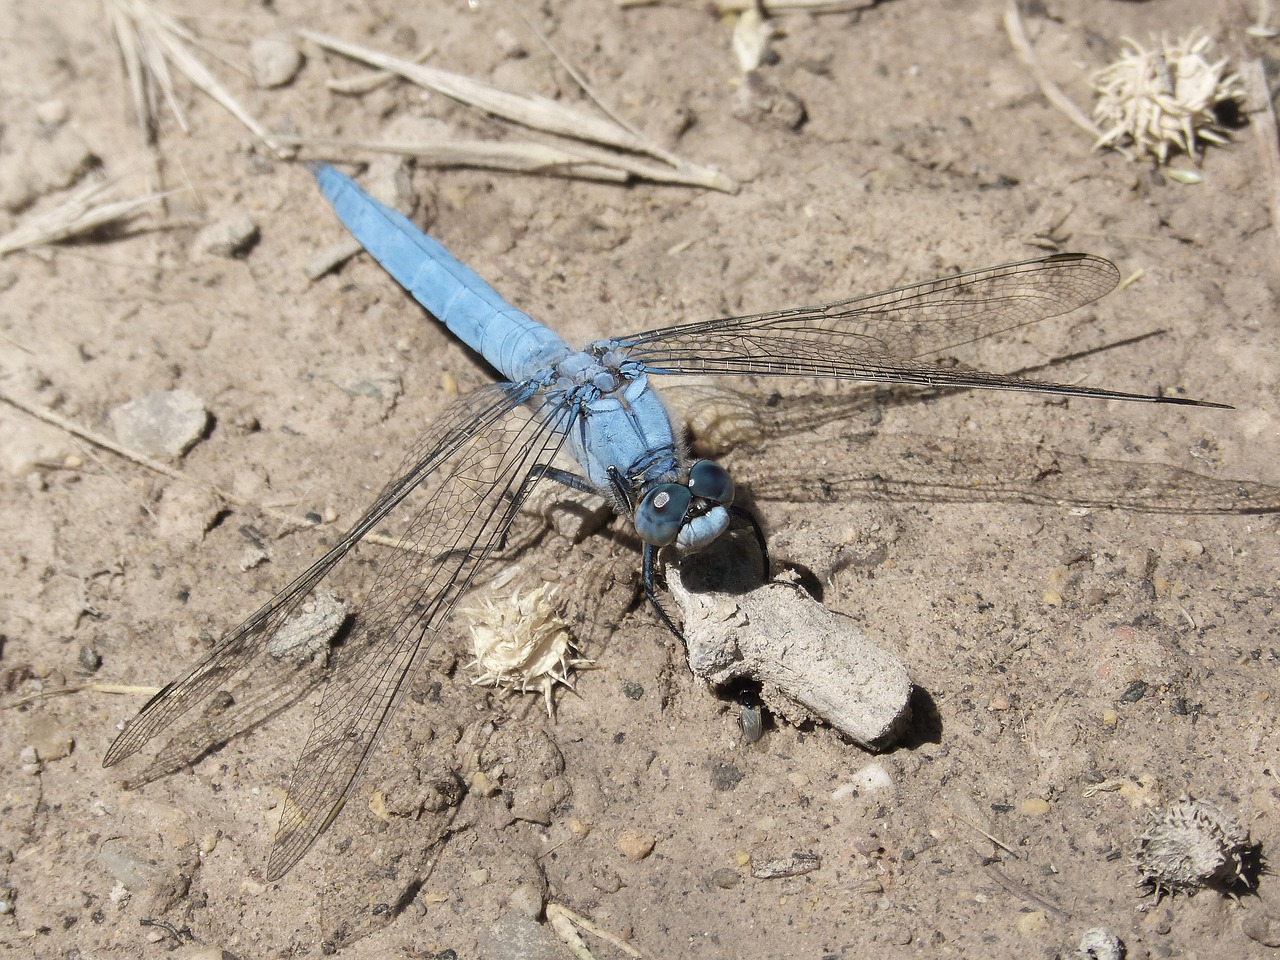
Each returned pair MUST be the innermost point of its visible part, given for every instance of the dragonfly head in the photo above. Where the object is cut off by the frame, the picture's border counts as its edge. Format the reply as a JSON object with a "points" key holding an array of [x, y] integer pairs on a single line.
{"points": [[689, 514]]}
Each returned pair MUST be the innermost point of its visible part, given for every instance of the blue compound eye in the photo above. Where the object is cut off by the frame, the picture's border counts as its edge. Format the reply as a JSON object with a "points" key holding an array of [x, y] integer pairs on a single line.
{"points": [[709, 480], [661, 513]]}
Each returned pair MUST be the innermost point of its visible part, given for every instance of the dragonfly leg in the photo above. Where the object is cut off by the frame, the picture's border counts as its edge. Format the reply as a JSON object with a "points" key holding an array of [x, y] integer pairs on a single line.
{"points": [[650, 591], [742, 513], [622, 493], [570, 480]]}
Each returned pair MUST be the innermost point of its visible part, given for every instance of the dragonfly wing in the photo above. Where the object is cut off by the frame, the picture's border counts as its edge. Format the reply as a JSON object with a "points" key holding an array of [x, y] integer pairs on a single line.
{"points": [[889, 336], [455, 490], [907, 468], [459, 521]]}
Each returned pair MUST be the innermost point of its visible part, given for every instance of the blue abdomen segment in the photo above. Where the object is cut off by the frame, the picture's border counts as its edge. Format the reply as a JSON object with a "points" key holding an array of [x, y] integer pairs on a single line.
{"points": [[513, 342]]}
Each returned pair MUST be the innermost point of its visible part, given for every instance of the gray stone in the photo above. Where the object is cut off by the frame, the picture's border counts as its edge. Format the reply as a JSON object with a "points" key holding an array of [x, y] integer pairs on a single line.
{"points": [[164, 424]]}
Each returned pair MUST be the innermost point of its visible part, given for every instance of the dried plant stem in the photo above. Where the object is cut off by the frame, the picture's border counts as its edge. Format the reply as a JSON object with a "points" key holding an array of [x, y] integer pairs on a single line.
{"points": [[43, 413], [1052, 92], [1263, 121], [580, 161]]}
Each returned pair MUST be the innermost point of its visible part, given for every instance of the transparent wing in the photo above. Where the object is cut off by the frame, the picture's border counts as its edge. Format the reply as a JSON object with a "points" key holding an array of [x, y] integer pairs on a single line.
{"points": [[909, 468], [465, 517], [457, 491], [889, 336]]}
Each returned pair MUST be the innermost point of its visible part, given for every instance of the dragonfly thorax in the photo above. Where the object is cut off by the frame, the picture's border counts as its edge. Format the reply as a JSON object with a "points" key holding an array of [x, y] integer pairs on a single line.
{"points": [[581, 370]]}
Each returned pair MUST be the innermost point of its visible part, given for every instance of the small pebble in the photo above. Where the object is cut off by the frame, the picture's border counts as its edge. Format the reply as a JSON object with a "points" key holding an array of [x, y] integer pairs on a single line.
{"points": [[307, 635], [528, 899], [635, 845], [51, 113], [517, 937], [205, 952], [726, 878], [579, 828], [26, 446], [1134, 692], [162, 424], [1034, 807], [332, 257], [1183, 549], [49, 740], [253, 556], [999, 703], [725, 776], [1262, 928], [1100, 944], [762, 102], [508, 44], [133, 872], [90, 660], [233, 236], [1032, 922], [275, 60]]}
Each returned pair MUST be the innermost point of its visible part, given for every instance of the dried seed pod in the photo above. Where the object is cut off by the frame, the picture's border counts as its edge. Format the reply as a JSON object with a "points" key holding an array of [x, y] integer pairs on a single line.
{"points": [[1165, 99], [521, 643], [1192, 845]]}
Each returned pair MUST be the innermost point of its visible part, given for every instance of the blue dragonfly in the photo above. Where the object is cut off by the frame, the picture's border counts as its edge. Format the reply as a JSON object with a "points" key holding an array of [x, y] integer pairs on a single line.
{"points": [[454, 497]]}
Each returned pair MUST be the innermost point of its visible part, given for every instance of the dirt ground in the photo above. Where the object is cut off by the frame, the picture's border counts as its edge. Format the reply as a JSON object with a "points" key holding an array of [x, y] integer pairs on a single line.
{"points": [[1009, 823]]}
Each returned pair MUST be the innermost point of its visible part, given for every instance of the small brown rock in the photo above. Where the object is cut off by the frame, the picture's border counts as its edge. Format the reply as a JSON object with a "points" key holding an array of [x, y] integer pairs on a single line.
{"points": [[635, 845], [1034, 807]]}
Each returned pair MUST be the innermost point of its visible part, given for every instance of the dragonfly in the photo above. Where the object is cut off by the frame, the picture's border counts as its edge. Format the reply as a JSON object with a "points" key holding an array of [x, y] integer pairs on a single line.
{"points": [[454, 497]]}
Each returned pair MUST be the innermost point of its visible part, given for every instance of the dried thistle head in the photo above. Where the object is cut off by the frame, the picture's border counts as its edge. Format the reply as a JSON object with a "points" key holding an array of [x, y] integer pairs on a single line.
{"points": [[1152, 102], [1193, 844], [521, 643]]}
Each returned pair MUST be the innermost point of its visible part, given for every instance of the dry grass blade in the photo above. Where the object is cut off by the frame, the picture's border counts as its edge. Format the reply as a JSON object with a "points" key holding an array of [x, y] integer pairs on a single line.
{"points": [[530, 110], [773, 7], [150, 42], [360, 85], [88, 208], [580, 162], [522, 157]]}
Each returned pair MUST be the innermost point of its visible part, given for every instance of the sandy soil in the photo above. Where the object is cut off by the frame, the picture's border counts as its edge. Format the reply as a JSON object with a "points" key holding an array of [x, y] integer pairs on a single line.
{"points": [[926, 150]]}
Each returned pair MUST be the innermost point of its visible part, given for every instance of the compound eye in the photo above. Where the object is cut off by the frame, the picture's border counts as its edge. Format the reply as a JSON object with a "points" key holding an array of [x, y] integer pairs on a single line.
{"points": [[661, 513], [709, 480]]}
